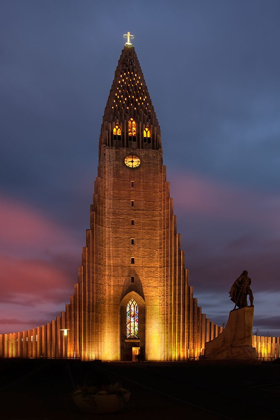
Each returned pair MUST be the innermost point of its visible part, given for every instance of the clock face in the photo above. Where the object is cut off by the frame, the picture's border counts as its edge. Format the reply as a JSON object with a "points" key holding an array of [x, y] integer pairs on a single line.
{"points": [[132, 161]]}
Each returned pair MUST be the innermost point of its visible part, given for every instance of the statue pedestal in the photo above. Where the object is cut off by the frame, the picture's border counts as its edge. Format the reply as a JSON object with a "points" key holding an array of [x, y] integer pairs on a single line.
{"points": [[235, 342]]}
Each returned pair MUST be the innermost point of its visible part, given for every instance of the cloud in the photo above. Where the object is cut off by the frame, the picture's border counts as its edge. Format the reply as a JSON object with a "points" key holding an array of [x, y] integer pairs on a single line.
{"points": [[38, 261], [217, 305], [16, 321], [24, 228], [225, 231], [217, 200], [31, 281]]}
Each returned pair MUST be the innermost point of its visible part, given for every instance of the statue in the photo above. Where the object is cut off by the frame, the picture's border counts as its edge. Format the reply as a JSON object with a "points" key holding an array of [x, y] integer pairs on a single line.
{"points": [[240, 289]]}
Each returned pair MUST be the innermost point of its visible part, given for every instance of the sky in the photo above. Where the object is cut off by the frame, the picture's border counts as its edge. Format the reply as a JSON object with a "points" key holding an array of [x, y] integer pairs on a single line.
{"points": [[213, 72]]}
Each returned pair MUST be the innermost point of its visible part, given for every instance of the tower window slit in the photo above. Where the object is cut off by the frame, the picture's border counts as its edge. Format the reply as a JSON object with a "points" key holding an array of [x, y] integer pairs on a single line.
{"points": [[132, 222], [132, 279], [132, 241], [132, 184], [132, 203], [132, 260]]}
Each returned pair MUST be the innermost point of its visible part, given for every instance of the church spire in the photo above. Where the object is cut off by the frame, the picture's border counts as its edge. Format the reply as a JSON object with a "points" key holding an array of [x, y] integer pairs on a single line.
{"points": [[129, 114]]}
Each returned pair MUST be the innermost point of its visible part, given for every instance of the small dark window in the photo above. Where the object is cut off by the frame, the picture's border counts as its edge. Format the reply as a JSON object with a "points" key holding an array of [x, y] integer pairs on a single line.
{"points": [[132, 222], [132, 260], [132, 241], [132, 184], [132, 203], [132, 279]]}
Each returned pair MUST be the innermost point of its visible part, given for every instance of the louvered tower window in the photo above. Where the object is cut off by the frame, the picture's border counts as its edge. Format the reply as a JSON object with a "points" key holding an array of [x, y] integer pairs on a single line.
{"points": [[132, 130], [147, 135], [117, 132]]}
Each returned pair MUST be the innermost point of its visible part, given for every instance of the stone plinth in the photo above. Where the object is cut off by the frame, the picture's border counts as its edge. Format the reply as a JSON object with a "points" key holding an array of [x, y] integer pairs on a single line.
{"points": [[235, 342]]}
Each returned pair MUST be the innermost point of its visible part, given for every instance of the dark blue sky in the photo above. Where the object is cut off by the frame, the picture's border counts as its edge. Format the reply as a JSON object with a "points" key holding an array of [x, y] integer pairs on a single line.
{"points": [[212, 69]]}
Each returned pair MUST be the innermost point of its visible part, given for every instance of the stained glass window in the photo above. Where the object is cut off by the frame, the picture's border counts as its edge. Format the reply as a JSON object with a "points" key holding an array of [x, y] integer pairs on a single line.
{"points": [[132, 127], [132, 319]]}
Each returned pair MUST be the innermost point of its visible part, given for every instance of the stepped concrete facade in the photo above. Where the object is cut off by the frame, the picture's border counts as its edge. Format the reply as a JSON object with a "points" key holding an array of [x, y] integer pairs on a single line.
{"points": [[133, 297]]}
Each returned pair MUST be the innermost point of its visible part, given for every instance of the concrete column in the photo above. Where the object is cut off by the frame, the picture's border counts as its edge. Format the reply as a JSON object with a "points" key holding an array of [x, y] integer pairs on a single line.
{"points": [[39, 342], [49, 341], [1, 345], [63, 343], [29, 343], [187, 314], [195, 328], [212, 330], [77, 323], [182, 308], [199, 332], [53, 339], [44, 341], [203, 332], [58, 337], [208, 335], [191, 332], [277, 347], [67, 319], [6, 345]]}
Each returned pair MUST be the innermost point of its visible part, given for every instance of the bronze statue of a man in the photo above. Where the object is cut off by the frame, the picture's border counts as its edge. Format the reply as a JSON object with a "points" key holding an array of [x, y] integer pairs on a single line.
{"points": [[240, 289]]}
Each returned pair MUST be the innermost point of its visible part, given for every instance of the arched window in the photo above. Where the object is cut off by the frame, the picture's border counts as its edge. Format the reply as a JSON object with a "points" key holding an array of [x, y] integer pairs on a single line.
{"points": [[117, 132], [132, 319], [132, 129], [147, 135]]}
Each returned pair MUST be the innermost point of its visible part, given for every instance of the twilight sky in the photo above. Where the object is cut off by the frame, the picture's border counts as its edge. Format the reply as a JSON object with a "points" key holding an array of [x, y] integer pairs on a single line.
{"points": [[213, 71]]}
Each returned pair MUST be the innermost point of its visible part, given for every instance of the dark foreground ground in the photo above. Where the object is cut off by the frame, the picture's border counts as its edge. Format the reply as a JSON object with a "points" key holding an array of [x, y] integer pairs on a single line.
{"points": [[41, 389]]}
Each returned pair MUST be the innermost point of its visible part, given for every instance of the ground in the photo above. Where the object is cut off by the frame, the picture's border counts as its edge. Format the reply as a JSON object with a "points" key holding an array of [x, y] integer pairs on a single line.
{"points": [[41, 389]]}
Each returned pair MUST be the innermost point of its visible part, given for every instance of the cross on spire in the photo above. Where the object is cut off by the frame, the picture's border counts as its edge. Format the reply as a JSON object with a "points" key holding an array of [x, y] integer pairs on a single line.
{"points": [[129, 37]]}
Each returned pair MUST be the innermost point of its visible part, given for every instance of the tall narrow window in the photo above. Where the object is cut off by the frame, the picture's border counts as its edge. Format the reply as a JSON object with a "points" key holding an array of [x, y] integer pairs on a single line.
{"points": [[132, 203], [132, 260], [132, 129], [132, 222], [132, 241], [132, 279], [117, 132], [146, 133], [132, 184], [132, 319]]}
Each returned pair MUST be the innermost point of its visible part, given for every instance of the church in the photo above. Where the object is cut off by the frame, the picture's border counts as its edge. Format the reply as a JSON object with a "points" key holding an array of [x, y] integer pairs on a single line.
{"points": [[133, 298]]}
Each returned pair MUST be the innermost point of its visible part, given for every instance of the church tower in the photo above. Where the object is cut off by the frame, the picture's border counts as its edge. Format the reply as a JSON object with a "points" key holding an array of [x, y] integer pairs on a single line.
{"points": [[133, 275], [132, 295]]}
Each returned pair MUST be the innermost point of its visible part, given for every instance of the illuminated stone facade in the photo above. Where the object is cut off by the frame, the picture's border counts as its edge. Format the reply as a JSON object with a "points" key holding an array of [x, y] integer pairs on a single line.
{"points": [[132, 251]]}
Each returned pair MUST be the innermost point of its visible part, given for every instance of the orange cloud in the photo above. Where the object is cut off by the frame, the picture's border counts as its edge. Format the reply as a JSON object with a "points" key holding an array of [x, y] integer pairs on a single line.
{"points": [[23, 228], [38, 265]]}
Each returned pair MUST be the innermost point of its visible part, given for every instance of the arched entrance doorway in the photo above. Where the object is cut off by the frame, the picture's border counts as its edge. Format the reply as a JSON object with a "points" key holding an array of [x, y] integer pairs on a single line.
{"points": [[132, 317]]}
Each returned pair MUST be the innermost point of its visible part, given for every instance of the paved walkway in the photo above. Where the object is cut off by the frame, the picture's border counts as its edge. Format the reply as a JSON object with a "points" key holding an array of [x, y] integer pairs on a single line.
{"points": [[41, 389]]}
